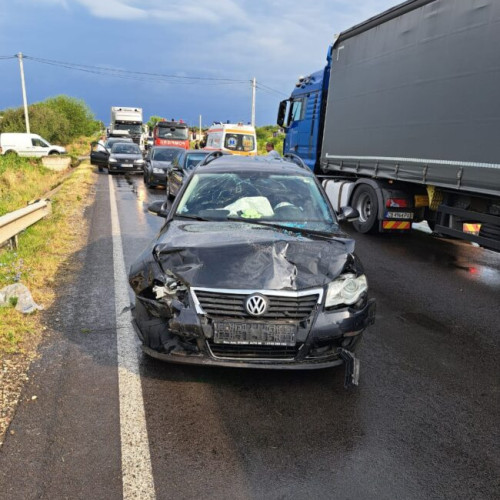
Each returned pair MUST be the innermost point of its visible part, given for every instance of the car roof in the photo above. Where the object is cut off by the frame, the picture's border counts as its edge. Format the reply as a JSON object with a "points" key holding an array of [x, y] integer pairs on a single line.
{"points": [[124, 143], [166, 147], [128, 140], [230, 163]]}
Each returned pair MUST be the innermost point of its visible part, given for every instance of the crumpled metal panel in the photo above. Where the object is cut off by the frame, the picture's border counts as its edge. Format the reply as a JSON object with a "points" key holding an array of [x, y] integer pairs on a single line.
{"points": [[240, 255]]}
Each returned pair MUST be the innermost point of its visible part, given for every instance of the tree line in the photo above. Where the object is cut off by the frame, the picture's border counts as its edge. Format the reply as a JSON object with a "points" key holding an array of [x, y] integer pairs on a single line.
{"points": [[59, 119]]}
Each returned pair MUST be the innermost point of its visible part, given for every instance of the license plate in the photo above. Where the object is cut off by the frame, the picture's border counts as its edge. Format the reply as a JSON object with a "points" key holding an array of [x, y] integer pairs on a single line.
{"points": [[399, 215], [228, 332]]}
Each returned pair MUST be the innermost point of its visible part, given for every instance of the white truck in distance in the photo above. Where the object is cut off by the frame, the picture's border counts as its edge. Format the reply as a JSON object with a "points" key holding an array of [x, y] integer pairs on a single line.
{"points": [[127, 121]]}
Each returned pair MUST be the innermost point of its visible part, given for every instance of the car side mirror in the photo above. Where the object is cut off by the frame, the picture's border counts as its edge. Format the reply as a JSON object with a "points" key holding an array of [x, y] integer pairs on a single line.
{"points": [[348, 214], [158, 208]]}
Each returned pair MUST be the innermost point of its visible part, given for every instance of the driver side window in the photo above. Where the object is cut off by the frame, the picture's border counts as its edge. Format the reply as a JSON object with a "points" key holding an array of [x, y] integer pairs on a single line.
{"points": [[296, 112]]}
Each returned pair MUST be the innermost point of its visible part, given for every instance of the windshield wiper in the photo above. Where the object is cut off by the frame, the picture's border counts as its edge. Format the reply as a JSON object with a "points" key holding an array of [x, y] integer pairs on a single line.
{"points": [[297, 230], [192, 217]]}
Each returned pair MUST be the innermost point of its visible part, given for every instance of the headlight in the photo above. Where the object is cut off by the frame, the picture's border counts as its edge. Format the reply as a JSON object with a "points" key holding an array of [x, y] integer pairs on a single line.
{"points": [[139, 162], [346, 289], [158, 171], [112, 160]]}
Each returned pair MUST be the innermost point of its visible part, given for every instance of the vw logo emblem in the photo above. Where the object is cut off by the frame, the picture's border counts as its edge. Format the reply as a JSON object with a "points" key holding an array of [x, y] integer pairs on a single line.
{"points": [[256, 305]]}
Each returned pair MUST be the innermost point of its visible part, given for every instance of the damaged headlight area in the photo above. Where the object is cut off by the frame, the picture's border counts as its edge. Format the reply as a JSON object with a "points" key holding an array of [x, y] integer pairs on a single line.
{"points": [[164, 297], [347, 290]]}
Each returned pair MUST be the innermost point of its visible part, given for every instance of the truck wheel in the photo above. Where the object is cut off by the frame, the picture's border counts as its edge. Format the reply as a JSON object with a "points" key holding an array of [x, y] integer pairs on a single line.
{"points": [[366, 203]]}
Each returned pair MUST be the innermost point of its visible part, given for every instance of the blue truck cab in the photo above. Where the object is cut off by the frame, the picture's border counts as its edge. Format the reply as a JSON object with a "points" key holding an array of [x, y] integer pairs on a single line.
{"points": [[302, 116]]}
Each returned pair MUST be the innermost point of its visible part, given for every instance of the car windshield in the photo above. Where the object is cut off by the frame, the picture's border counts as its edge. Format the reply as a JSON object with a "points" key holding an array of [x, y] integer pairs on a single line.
{"points": [[192, 159], [164, 154], [239, 142], [172, 133], [126, 149], [110, 142], [289, 200]]}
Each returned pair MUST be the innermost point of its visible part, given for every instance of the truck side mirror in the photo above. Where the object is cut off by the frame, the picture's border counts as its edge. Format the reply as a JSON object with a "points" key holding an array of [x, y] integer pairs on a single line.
{"points": [[282, 113]]}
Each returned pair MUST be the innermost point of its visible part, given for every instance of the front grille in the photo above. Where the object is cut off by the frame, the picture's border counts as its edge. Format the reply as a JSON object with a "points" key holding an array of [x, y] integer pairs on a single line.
{"points": [[232, 305], [233, 351]]}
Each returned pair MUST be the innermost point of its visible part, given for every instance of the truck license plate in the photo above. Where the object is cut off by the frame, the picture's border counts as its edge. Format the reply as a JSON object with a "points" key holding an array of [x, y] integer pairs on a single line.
{"points": [[229, 332], [399, 215]]}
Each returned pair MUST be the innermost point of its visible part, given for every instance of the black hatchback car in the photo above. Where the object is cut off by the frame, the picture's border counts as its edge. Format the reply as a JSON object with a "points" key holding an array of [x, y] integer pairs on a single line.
{"points": [[181, 166], [99, 153], [158, 160], [125, 157], [251, 269]]}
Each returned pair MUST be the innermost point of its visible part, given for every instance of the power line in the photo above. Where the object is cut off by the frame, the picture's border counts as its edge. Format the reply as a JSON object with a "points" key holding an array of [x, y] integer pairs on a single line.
{"points": [[108, 70], [144, 76], [271, 89]]}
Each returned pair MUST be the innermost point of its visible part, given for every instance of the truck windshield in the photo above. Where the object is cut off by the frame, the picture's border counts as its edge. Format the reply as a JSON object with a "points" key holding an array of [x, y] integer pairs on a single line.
{"points": [[239, 142], [172, 133], [132, 129]]}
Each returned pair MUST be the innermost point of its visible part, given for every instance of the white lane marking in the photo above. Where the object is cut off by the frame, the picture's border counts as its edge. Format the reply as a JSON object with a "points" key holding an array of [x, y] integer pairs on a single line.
{"points": [[137, 473]]}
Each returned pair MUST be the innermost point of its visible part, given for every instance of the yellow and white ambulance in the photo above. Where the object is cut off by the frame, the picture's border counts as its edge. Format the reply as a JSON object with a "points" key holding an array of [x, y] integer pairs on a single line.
{"points": [[235, 138]]}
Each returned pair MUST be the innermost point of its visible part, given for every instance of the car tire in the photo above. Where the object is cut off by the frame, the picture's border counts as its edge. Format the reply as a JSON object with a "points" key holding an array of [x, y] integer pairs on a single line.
{"points": [[54, 153], [11, 153], [366, 203], [99, 167]]}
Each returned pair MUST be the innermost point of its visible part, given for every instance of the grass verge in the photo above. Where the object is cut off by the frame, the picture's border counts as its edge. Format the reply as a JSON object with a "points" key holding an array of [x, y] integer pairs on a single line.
{"points": [[44, 248]]}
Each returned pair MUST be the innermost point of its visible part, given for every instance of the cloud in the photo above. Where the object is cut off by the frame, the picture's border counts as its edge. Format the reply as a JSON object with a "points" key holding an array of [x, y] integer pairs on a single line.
{"points": [[115, 9]]}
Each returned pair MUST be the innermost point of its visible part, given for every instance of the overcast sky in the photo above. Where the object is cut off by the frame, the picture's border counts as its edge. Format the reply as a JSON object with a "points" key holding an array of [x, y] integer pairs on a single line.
{"points": [[216, 41]]}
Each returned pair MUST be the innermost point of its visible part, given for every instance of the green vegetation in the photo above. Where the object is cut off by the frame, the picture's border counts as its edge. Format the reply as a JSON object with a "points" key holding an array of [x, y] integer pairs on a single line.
{"points": [[269, 133], [153, 120], [44, 248], [59, 119], [23, 180]]}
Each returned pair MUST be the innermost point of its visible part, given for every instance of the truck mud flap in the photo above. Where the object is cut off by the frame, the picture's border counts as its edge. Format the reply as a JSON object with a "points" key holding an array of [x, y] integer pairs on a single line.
{"points": [[351, 374]]}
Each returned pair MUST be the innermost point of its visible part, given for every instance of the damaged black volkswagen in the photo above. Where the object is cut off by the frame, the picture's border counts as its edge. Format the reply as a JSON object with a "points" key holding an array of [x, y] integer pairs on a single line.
{"points": [[251, 269]]}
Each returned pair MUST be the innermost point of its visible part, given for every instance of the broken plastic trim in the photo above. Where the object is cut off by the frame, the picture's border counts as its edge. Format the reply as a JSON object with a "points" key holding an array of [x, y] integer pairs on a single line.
{"points": [[351, 375]]}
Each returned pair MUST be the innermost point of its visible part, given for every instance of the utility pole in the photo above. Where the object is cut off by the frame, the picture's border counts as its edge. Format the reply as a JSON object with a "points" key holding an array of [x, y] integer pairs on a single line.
{"points": [[201, 137], [254, 85], [25, 101]]}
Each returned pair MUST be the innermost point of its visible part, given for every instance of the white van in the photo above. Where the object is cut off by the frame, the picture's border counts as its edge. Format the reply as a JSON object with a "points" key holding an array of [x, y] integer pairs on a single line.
{"points": [[27, 145], [236, 138]]}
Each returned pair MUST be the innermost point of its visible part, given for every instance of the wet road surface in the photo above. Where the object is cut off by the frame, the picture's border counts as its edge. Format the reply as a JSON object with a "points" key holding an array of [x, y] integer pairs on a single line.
{"points": [[422, 424]]}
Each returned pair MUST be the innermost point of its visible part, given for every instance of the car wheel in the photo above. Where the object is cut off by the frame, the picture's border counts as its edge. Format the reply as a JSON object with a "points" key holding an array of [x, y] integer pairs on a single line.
{"points": [[366, 203], [54, 153], [100, 168], [11, 153]]}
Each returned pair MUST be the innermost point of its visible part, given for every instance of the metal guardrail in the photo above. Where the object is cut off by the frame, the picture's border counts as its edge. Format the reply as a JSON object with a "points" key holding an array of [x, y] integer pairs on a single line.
{"points": [[13, 223]]}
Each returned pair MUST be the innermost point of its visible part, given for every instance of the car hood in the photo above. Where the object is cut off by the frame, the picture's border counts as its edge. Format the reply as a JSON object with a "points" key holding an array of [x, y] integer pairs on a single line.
{"points": [[123, 156], [160, 164], [240, 255]]}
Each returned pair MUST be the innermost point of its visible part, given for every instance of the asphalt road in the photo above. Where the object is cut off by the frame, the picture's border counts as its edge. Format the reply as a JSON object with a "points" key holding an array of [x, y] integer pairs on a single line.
{"points": [[422, 424]]}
